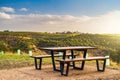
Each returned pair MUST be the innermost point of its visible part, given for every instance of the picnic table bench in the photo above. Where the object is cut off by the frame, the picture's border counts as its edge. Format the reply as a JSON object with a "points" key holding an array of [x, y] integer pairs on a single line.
{"points": [[40, 57], [67, 61]]}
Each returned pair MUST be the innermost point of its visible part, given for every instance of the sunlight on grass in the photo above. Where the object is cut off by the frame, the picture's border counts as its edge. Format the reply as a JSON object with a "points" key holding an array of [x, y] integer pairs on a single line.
{"points": [[8, 61]]}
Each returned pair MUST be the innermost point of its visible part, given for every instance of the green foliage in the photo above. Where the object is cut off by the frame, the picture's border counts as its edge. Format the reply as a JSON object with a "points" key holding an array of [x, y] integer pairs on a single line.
{"points": [[11, 41], [3, 45]]}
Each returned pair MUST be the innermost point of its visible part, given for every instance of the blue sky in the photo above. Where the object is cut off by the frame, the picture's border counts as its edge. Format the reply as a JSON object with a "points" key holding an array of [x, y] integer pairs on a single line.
{"points": [[63, 7], [89, 16]]}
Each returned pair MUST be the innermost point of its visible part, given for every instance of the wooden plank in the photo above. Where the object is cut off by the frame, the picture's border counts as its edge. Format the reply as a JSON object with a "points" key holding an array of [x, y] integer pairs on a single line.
{"points": [[67, 48], [82, 59], [46, 56]]}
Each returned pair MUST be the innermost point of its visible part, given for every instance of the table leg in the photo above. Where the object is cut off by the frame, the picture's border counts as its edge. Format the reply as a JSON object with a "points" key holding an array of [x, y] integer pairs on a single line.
{"points": [[72, 54], [53, 62], [64, 54], [36, 64], [83, 62]]}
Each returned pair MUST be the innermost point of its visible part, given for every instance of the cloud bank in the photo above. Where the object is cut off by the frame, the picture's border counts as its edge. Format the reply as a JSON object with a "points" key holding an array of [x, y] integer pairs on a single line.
{"points": [[107, 23]]}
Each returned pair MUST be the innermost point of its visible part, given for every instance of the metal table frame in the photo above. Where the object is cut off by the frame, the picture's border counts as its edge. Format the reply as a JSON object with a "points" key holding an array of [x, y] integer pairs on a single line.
{"points": [[64, 49]]}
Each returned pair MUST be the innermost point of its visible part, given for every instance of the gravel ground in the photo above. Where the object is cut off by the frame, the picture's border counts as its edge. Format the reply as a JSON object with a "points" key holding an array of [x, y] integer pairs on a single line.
{"points": [[47, 73]]}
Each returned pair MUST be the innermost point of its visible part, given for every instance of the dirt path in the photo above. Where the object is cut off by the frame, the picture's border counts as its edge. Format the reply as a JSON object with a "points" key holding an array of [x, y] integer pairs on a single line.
{"points": [[29, 73]]}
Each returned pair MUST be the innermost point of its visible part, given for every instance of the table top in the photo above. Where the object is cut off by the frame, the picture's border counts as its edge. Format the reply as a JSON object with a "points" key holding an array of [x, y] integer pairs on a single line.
{"points": [[67, 48]]}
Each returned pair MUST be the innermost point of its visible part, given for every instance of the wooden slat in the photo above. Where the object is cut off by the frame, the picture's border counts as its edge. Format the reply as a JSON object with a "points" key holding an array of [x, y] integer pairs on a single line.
{"points": [[67, 48], [81, 59], [45, 56]]}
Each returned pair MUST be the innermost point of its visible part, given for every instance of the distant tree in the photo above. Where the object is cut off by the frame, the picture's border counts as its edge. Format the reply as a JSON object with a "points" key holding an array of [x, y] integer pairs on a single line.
{"points": [[6, 31]]}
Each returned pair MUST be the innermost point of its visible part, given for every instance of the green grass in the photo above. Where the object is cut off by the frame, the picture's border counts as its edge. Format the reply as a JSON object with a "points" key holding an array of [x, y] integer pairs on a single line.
{"points": [[8, 61]]}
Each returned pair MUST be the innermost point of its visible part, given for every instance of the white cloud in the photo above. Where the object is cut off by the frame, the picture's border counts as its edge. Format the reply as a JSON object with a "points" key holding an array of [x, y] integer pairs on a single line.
{"points": [[4, 16], [7, 9], [23, 9], [107, 23]]}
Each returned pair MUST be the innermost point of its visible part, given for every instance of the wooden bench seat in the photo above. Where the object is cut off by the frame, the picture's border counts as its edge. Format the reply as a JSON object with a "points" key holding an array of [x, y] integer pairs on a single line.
{"points": [[39, 57], [67, 61]]}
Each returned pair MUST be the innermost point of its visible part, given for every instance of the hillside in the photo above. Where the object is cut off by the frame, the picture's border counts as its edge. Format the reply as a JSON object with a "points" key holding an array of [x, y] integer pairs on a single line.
{"points": [[107, 43]]}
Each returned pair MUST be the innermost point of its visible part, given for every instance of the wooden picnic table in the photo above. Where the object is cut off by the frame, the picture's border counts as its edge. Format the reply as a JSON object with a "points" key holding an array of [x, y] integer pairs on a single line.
{"points": [[63, 50]]}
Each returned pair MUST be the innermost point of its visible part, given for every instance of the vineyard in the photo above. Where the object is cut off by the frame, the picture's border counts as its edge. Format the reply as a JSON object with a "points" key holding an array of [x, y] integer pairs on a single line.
{"points": [[25, 41]]}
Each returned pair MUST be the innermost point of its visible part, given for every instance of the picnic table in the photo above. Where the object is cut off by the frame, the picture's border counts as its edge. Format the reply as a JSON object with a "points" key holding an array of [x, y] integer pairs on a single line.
{"points": [[64, 49], [73, 60]]}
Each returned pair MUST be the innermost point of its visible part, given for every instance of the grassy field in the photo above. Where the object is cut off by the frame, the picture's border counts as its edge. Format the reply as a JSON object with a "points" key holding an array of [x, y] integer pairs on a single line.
{"points": [[8, 61]]}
